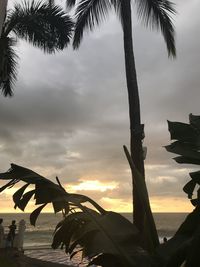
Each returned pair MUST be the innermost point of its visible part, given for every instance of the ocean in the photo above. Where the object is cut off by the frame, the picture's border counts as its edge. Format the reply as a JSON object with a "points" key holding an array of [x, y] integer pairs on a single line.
{"points": [[38, 239]]}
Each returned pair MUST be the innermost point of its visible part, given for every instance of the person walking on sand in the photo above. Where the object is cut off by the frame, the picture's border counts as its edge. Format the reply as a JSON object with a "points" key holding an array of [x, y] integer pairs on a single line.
{"points": [[1, 234], [11, 234]]}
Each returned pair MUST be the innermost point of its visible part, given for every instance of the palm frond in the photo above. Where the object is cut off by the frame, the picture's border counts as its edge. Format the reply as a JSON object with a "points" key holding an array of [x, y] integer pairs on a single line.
{"points": [[70, 3], [158, 14], [45, 26], [51, 2], [89, 13], [117, 6], [8, 65]]}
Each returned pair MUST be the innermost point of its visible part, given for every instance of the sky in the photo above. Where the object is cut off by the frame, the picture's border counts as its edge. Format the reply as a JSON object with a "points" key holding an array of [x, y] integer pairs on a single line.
{"points": [[69, 114]]}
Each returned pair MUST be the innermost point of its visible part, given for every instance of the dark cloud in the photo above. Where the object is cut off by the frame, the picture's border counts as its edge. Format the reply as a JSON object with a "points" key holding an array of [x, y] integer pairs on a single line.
{"points": [[69, 115]]}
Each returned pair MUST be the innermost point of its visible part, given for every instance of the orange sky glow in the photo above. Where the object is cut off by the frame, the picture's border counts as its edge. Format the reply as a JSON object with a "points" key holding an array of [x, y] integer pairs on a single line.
{"points": [[158, 203]]}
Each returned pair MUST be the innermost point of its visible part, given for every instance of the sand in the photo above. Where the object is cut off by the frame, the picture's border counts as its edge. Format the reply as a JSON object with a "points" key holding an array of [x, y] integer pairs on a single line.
{"points": [[20, 260]]}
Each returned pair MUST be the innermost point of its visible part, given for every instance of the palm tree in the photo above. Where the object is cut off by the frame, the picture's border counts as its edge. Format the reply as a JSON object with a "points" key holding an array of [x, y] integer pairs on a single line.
{"points": [[154, 13], [3, 6], [46, 27]]}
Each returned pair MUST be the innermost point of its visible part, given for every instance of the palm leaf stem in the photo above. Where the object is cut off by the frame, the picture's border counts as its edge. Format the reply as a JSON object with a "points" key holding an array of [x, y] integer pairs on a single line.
{"points": [[141, 188], [88, 199]]}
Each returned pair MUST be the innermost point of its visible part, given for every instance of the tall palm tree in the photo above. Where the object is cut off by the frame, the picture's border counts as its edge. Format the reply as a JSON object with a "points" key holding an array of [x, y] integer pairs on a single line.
{"points": [[46, 27], [154, 13]]}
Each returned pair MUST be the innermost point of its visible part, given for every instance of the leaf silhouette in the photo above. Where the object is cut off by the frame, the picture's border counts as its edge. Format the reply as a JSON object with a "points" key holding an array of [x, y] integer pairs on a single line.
{"points": [[110, 234], [34, 215]]}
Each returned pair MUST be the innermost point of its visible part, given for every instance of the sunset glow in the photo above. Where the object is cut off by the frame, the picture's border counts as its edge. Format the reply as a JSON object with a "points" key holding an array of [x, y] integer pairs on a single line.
{"points": [[92, 186], [71, 120]]}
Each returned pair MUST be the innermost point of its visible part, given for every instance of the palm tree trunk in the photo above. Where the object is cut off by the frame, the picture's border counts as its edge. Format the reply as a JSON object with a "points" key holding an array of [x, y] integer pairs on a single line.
{"points": [[136, 128], [3, 7]]}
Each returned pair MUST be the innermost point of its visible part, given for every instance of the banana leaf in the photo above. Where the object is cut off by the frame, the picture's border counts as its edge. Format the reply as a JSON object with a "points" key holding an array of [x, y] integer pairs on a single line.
{"points": [[182, 131], [183, 246], [187, 146], [186, 150], [195, 121], [101, 237], [99, 233], [45, 191], [186, 160]]}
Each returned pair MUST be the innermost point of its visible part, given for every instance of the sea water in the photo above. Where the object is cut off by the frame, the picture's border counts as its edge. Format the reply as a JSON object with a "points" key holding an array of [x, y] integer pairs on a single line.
{"points": [[37, 240]]}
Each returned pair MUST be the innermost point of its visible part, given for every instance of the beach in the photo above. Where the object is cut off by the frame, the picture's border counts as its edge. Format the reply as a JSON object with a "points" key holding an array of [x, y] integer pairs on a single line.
{"points": [[14, 258], [37, 240], [55, 256]]}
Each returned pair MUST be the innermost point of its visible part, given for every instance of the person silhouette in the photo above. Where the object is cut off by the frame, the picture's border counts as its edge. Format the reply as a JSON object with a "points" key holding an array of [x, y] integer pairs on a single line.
{"points": [[11, 233], [21, 230]]}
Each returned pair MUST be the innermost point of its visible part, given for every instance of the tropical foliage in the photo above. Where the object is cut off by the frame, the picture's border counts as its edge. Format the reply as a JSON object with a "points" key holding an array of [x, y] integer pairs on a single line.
{"points": [[187, 146], [185, 245], [157, 14], [103, 236], [107, 238], [44, 26], [47, 27]]}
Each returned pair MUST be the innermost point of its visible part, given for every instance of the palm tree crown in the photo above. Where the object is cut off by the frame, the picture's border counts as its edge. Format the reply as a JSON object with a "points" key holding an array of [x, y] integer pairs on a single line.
{"points": [[46, 27], [154, 13]]}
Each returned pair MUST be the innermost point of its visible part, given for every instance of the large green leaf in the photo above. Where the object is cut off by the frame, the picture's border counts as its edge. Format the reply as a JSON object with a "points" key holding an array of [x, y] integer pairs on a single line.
{"points": [[184, 246], [100, 233], [187, 146], [24, 174], [19, 193], [186, 150], [189, 188], [184, 243], [22, 203], [182, 131], [110, 234], [186, 160], [60, 205], [195, 121], [34, 215], [195, 176], [45, 191]]}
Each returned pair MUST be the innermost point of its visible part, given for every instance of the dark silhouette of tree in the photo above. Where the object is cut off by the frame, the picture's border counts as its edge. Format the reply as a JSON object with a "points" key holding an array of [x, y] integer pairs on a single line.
{"points": [[44, 26], [3, 6], [104, 237], [154, 13]]}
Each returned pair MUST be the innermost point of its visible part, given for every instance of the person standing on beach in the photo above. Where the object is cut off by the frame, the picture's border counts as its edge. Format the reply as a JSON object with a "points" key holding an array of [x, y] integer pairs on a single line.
{"points": [[1, 234], [11, 234], [21, 231]]}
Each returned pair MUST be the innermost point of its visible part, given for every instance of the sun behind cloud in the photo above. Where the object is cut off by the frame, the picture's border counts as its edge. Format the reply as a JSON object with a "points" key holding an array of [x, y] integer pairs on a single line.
{"points": [[92, 185]]}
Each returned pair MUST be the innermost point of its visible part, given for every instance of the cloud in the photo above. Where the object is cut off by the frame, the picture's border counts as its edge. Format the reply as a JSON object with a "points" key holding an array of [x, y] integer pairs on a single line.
{"points": [[69, 115]]}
